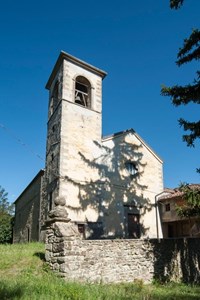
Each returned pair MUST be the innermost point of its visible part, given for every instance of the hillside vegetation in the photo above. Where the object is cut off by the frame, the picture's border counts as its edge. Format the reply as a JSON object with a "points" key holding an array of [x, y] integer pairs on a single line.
{"points": [[25, 275]]}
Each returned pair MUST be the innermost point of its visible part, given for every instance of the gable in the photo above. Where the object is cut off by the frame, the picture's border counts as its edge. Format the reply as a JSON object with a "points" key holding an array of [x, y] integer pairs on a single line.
{"points": [[129, 137]]}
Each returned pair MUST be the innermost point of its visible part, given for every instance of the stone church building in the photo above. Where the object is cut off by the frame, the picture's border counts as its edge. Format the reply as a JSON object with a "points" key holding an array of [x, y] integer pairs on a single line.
{"points": [[109, 183]]}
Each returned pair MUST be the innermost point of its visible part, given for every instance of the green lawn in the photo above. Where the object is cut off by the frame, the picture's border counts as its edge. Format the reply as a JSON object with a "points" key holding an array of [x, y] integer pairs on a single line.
{"points": [[24, 275]]}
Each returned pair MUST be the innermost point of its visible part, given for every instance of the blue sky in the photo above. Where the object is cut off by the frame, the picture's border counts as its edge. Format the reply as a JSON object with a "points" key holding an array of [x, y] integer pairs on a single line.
{"points": [[135, 42]]}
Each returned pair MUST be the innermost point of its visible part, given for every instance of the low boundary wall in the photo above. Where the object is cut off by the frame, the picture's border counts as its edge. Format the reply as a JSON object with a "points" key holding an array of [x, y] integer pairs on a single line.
{"points": [[120, 260]]}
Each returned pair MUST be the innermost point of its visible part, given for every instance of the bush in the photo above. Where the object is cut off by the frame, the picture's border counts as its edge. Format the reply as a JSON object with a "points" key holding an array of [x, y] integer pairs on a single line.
{"points": [[5, 228], [6, 218]]}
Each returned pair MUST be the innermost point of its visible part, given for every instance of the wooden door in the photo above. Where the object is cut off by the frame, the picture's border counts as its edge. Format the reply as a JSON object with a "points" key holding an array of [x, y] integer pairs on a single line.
{"points": [[134, 226]]}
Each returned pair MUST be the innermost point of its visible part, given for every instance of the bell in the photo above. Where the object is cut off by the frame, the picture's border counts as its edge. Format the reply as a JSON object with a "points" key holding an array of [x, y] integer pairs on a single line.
{"points": [[78, 100]]}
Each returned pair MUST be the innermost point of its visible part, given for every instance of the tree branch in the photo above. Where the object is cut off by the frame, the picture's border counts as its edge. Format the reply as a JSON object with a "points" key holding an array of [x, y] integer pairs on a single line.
{"points": [[175, 4]]}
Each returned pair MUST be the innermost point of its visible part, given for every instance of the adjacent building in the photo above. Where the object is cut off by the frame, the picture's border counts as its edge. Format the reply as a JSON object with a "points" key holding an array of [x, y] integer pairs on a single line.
{"points": [[173, 225]]}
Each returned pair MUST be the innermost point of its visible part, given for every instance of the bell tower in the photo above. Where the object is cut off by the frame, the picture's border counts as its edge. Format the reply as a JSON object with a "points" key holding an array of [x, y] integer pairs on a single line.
{"points": [[74, 132]]}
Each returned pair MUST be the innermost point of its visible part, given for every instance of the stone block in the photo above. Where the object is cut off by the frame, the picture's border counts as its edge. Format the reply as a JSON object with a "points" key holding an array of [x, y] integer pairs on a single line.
{"points": [[58, 247]]}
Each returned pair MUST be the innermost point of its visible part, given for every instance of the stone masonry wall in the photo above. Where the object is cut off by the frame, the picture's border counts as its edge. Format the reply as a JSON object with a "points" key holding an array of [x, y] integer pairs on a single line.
{"points": [[27, 212], [120, 260]]}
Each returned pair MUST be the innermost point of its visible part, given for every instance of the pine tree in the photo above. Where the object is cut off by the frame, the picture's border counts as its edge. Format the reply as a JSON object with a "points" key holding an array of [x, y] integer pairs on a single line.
{"points": [[182, 95]]}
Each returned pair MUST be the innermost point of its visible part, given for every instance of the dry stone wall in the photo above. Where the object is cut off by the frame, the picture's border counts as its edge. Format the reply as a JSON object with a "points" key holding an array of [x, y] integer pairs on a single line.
{"points": [[120, 260]]}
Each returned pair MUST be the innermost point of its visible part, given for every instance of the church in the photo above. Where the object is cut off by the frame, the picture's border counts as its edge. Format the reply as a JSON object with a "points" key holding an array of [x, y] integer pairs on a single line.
{"points": [[109, 183]]}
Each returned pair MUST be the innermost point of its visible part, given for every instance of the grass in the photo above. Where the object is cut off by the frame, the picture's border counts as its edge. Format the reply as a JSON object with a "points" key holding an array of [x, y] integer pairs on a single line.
{"points": [[24, 275]]}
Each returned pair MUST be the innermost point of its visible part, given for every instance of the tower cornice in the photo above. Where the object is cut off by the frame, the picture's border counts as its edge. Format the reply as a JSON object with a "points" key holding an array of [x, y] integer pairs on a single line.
{"points": [[65, 56]]}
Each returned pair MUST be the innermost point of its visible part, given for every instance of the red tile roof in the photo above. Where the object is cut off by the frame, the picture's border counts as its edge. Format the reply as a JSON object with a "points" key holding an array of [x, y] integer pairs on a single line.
{"points": [[173, 193]]}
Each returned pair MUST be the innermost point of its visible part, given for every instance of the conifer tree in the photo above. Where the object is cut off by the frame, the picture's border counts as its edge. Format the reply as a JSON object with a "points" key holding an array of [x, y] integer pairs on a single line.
{"points": [[190, 93]]}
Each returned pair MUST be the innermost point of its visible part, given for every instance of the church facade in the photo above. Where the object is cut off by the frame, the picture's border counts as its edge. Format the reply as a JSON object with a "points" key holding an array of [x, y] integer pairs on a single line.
{"points": [[109, 183]]}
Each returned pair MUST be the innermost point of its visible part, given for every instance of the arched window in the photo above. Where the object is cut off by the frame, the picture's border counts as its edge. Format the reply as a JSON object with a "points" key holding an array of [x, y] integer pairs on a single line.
{"points": [[83, 91], [132, 168]]}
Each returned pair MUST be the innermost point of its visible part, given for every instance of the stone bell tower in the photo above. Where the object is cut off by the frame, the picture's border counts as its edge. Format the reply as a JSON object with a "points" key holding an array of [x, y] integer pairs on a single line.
{"points": [[74, 133]]}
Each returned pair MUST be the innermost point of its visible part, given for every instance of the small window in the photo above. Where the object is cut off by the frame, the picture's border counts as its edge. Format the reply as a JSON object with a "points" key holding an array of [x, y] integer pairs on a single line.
{"points": [[54, 98], [53, 128], [167, 207], [28, 235], [81, 230], [50, 196], [132, 168], [82, 92]]}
